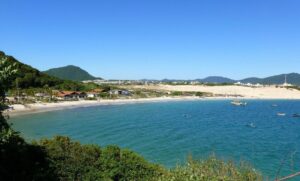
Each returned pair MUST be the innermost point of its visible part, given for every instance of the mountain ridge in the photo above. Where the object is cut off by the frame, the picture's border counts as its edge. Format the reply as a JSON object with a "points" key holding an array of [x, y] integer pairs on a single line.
{"points": [[292, 78]]}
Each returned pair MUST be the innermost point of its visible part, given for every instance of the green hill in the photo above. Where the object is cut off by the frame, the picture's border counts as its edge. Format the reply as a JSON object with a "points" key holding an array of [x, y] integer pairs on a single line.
{"points": [[70, 72], [292, 78], [29, 77]]}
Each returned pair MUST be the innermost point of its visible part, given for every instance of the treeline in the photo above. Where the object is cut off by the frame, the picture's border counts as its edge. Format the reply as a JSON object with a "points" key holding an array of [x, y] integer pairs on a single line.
{"points": [[28, 77]]}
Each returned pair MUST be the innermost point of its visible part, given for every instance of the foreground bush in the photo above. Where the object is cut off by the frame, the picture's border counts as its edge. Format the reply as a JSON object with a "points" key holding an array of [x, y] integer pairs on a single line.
{"points": [[211, 169], [73, 161]]}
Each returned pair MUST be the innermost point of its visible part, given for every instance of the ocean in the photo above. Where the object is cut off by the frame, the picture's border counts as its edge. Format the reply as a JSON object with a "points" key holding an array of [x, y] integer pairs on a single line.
{"points": [[168, 132]]}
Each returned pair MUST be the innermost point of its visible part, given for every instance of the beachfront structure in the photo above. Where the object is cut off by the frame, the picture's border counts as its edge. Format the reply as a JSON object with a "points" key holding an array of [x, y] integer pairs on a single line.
{"points": [[70, 95], [119, 92], [92, 94], [248, 84], [41, 95]]}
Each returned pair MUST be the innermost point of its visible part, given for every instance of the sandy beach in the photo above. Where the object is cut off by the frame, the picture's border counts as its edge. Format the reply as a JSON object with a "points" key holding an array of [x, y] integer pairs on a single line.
{"points": [[269, 92], [220, 92], [19, 109]]}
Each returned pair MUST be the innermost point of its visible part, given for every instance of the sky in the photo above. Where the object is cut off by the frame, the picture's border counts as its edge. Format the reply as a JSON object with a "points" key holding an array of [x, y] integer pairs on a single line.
{"points": [[155, 39]]}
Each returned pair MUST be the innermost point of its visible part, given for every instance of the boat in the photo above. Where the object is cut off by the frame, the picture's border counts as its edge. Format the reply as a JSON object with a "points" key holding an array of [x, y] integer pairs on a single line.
{"points": [[296, 115], [251, 125], [186, 116], [281, 114], [238, 103], [274, 105]]}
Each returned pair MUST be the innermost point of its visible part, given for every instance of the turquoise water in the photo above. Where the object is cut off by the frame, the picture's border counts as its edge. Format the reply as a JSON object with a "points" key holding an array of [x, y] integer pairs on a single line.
{"points": [[167, 132]]}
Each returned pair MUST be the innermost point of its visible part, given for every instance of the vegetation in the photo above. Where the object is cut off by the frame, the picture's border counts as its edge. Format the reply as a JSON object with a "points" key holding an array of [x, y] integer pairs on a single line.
{"points": [[216, 80], [211, 169], [28, 77], [70, 72], [293, 78], [73, 161]]}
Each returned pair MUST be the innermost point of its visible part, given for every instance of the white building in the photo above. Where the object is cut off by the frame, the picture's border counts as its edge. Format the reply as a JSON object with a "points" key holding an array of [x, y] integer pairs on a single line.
{"points": [[286, 84]]}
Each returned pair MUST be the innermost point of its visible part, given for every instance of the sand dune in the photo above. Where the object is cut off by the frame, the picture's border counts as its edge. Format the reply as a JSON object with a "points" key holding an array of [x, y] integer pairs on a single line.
{"points": [[248, 92]]}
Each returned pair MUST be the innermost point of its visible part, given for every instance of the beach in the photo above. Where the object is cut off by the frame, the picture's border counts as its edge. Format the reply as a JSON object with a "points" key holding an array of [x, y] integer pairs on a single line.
{"points": [[219, 92], [19, 109], [267, 92]]}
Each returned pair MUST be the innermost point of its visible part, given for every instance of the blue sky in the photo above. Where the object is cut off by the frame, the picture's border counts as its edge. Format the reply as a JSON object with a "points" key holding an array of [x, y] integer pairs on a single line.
{"points": [[135, 39]]}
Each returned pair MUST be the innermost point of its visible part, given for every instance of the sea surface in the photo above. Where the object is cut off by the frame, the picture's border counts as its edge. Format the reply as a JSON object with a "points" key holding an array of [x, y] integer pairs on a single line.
{"points": [[167, 132]]}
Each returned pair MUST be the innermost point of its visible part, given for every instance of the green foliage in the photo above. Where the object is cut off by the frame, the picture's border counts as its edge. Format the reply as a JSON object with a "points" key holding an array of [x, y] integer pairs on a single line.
{"points": [[73, 161], [18, 160], [292, 78], [176, 93], [7, 72], [70, 73], [22, 161], [199, 94], [28, 77], [211, 169]]}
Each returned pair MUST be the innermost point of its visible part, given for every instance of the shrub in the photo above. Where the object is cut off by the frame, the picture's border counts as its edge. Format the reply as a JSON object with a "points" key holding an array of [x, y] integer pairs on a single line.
{"points": [[73, 161], [211, 169]]}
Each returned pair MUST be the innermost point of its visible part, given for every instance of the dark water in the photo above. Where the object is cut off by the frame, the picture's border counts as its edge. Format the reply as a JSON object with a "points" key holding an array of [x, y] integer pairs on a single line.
{"points": [[167, 132]]}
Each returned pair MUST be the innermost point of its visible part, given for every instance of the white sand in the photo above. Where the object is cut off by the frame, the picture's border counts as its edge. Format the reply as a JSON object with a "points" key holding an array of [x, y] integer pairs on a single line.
{"points": [[44, 107], [246, 92]]}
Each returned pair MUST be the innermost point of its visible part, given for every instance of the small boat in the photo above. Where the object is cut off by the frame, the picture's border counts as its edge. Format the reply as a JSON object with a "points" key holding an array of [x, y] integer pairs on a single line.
{"points": [[296, 115], [281, 114], [186, 116], [238, 103], [274, 105], [251, 125]]}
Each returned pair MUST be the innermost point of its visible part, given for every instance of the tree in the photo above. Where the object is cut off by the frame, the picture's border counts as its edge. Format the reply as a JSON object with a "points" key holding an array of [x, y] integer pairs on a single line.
{"points": [[7, 73], [18, 160]]}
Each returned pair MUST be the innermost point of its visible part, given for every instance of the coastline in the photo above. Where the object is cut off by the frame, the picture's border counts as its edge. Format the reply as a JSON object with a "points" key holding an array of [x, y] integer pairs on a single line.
{"points": [[47, 107]]}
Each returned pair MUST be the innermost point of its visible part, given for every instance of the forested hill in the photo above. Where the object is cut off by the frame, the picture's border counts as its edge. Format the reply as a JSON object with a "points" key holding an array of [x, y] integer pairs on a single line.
{"points": [[70, 72], [29, 77], [292, 78]]}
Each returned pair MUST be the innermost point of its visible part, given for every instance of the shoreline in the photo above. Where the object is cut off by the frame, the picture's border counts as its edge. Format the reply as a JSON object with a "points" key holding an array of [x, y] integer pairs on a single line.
{"points": [[47, 107]]}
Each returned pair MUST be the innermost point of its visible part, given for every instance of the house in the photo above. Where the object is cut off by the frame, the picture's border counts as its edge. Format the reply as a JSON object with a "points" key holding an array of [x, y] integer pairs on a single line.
{"points": [[125, 93], [41, 95], [119, 92], [92, 94], [11, 100], [70, 95], [113, 92]]}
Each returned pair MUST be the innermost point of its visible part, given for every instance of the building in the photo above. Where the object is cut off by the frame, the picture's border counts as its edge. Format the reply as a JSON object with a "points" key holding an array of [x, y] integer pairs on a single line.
{"points": [[119, 92], [70, 95], [286, 84], [92, 94]]}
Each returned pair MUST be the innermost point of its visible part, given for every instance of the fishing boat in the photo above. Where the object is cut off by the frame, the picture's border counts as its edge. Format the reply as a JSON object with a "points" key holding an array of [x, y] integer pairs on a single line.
{"points": [[281, 114], [238, 103]]}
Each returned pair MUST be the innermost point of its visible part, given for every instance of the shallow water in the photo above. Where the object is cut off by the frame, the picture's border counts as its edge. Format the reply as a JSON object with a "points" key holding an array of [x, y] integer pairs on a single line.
{"points": [[167, 132]]}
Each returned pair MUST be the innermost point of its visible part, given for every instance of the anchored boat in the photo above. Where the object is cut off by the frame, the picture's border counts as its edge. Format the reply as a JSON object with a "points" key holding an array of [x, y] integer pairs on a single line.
{"points": [[281, 114], [238, 103]]}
